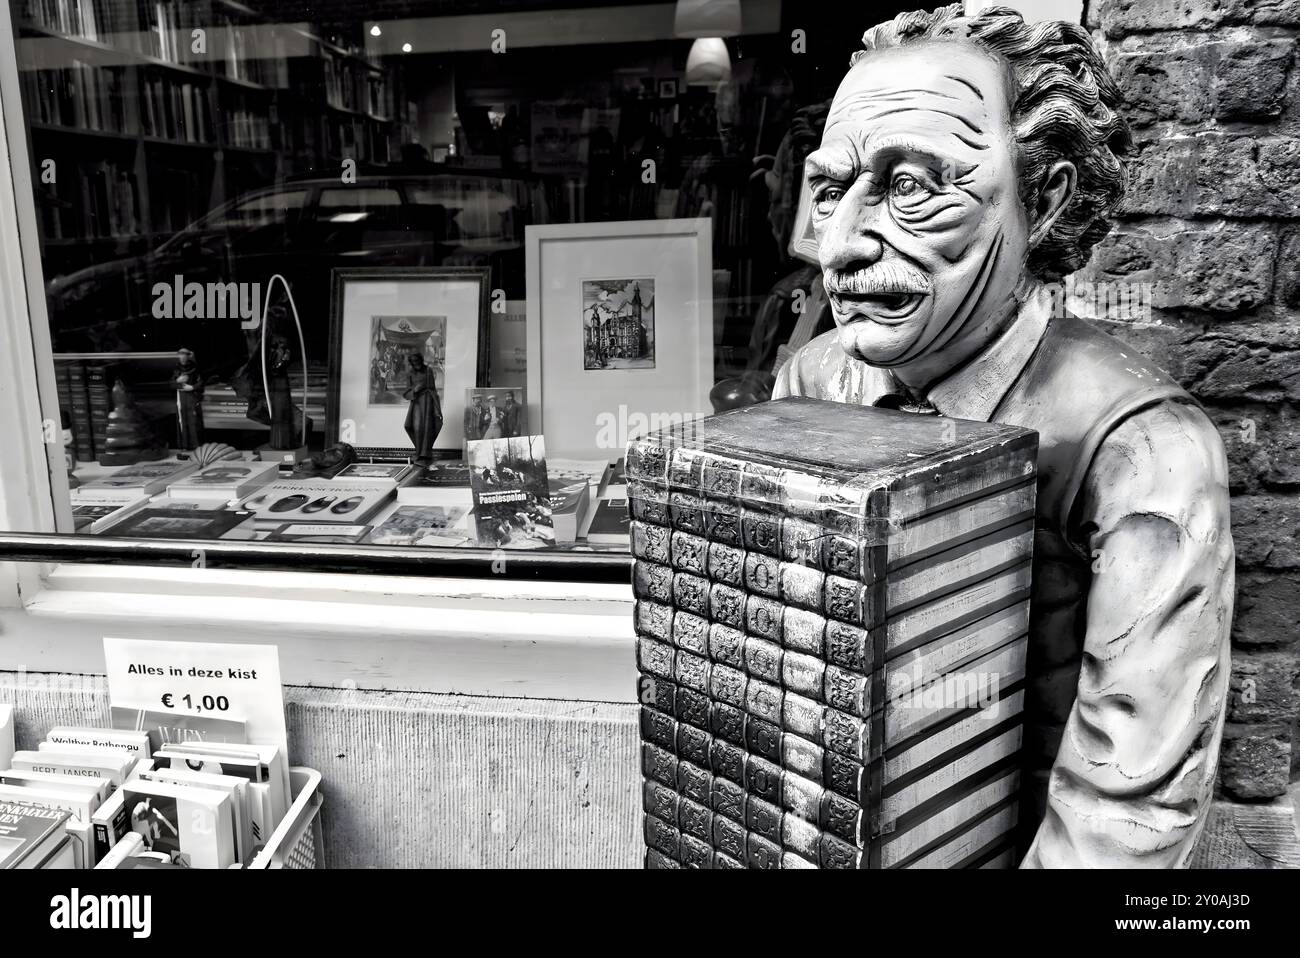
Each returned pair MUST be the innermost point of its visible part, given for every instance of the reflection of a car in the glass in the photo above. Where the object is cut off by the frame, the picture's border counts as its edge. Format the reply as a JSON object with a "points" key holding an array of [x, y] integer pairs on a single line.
{"points": [[302, 229]]}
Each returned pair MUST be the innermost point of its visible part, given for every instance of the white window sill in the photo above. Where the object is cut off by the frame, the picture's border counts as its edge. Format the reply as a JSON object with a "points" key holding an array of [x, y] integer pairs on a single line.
{"points": [[480, 636]]}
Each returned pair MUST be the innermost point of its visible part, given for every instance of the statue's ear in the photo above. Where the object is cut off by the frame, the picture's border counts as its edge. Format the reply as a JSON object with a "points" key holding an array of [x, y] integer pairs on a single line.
{"points": [[1054, 196]]}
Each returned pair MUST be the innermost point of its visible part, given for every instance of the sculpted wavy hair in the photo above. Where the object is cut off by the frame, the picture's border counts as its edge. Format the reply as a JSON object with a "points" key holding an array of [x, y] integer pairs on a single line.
{"points": [[1064, 108]]}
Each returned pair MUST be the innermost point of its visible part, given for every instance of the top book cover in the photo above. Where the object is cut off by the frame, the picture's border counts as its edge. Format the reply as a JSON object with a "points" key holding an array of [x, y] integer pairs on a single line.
{"points": [[843, 466]]}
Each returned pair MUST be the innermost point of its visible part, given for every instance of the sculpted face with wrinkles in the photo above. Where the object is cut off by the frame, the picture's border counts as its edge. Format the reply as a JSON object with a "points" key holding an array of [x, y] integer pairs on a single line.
{"points": [[920, 229]]}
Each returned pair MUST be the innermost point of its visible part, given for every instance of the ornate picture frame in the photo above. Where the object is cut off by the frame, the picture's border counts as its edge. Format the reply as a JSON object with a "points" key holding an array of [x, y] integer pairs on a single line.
{"points": [[377, 315]]}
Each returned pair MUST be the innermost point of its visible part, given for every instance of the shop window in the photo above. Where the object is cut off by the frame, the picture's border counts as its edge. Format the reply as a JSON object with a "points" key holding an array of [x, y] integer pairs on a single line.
{"points": [[313, 278]]}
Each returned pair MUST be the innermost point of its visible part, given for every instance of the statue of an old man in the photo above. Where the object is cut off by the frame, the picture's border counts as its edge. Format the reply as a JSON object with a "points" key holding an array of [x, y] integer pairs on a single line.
{"points": [[967, 162]]}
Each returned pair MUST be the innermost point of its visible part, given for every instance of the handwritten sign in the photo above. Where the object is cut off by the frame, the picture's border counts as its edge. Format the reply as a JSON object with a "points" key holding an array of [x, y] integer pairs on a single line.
{"points": [[220, 682]]}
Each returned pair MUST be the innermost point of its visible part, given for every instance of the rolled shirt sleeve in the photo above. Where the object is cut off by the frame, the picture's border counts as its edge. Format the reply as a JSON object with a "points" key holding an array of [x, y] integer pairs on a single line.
{"points": [[1132, 781]]}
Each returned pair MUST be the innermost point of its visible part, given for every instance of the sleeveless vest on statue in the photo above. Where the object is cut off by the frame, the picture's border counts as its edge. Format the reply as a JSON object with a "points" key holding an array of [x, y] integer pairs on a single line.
{"points": [[1077, 387]]}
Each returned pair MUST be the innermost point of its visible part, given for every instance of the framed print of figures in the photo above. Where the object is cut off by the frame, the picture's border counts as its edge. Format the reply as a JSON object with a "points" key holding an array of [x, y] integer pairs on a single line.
{"points": [[405, 345], [620, 330]]}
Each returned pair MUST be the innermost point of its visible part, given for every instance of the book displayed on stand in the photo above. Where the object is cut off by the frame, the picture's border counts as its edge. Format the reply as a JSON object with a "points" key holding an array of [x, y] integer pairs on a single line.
{"points": [[832, 635], [511, 495]]}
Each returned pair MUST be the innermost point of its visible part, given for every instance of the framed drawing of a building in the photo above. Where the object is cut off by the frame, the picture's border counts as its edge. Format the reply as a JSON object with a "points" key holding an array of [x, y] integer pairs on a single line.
{"points": [[620, 330]]}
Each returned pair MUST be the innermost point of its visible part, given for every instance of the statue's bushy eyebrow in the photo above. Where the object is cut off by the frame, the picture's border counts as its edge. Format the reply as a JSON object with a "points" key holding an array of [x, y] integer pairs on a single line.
{"points": [[829, 163]]}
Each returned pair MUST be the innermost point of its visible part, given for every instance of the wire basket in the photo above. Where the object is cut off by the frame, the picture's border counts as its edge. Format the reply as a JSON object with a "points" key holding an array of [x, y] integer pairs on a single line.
{"points": [[297, 841]]}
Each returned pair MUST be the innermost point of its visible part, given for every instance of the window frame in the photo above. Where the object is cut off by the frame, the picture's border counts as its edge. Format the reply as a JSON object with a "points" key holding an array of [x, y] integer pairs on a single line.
{"points": [[494, 636]]}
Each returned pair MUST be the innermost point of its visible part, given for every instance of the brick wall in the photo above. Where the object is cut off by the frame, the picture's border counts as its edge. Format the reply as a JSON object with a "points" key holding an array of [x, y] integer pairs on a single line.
{"points": [[1212, 224]]}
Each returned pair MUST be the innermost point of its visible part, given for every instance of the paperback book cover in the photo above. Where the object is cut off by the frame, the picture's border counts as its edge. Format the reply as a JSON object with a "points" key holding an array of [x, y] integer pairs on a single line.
{"points": [[570, 503], [148, 478], [325, 500], [410, 525], [166, 728], [29, 833], [192, 826], [510, 492]]}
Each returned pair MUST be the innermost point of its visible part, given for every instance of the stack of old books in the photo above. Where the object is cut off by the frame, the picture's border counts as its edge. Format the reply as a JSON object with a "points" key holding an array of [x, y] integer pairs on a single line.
{"points": [[832, 607]]}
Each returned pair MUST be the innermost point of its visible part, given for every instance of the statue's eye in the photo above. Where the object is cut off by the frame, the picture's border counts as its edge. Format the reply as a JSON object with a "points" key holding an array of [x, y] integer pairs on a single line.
{"points": [[824, 199], [905, 186]]}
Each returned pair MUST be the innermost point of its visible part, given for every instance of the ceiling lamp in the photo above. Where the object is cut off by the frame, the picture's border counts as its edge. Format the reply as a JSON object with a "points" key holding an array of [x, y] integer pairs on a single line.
{"points": [[708, 63], [707, 18]]}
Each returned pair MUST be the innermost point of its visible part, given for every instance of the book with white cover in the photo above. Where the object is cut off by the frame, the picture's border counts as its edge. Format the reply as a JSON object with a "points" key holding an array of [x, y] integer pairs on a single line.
{"points": [[25, 776], [224, 480], [262, 817], [561, 472], [320, 500], [192, 825], [146, 478], [274, 767], [113, 764], [135, 742], [233, 785], [80, 805]]}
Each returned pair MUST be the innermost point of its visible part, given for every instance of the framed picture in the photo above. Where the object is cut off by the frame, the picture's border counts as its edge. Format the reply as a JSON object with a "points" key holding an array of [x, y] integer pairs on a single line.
{"points": [[668, 89], [620, 331], [495, 413], [391, 328]]}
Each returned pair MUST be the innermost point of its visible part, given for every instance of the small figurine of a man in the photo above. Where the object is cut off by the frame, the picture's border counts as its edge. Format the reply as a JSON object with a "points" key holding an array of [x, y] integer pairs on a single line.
{"points": [[968, 162], [280, 402], [424, 415], [188, 383]]}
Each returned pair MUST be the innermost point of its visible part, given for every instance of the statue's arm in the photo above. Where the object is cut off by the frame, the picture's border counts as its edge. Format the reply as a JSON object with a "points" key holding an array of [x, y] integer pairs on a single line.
{"points": [[1133, 778]]}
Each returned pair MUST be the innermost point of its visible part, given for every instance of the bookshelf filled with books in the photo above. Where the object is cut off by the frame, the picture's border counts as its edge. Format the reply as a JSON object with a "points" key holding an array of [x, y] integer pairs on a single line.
{"points": [[145, 116]]}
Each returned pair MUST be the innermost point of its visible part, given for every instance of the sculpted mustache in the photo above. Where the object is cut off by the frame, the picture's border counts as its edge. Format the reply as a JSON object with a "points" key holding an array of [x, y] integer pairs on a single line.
{"points": [[881, 278]]}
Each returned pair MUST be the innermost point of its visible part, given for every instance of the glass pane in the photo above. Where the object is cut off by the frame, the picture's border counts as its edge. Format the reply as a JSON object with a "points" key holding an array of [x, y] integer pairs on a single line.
{"points": [[288, 253]]}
